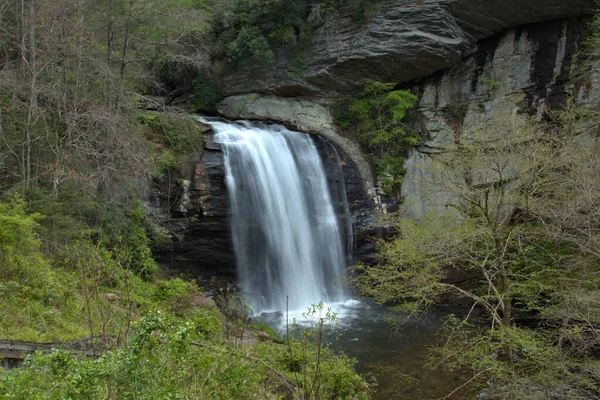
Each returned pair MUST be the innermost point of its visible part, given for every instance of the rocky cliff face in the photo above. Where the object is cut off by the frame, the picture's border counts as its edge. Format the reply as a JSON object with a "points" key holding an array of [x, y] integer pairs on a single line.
{"points": [[470, 62], [403, 41], [193, 200], [518, 74], [195, 203]]}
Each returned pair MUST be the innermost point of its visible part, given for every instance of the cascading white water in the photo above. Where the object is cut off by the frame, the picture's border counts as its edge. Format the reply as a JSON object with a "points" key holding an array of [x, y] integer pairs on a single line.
{"points": [[287, 238]]}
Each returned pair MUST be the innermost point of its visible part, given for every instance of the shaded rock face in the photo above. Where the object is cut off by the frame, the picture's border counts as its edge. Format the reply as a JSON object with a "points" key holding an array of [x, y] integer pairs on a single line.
{"points": [[355, 209], [403, 41], [194, 203], [518, 74]]}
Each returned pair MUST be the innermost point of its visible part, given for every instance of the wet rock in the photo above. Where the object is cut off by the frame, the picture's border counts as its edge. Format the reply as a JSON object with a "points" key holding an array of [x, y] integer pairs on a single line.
{"points": [[299, 114], [194, 203]]}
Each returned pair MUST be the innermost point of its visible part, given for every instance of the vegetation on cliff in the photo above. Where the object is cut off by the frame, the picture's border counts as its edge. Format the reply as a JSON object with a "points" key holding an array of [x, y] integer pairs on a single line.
{"points": [[248, 31], [377, 116]]}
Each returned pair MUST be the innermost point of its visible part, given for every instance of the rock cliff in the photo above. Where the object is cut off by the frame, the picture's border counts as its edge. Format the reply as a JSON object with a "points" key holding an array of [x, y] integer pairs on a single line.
{"points": [[403, 41], [516, 75], [193, 201], [470, 62]]}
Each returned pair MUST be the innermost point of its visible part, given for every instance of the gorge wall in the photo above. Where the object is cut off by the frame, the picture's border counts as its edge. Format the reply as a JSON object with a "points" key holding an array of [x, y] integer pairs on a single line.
{"points": [[468, 63], [404, 40], [471, 63]]}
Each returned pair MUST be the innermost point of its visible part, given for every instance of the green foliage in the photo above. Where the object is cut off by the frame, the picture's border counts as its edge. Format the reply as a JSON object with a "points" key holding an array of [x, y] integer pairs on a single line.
{"points": [[17, 236], [490, 85], [510, 188], [316, 370], [168, 291], [166, 358], [411, 269], [207, 92], [247, 26], [249, 46], [208, 322], [177, 132], [273, 335], [169, 357], [38, 301], [378, 114], [166, 161], [122, 231], [252, 29]]}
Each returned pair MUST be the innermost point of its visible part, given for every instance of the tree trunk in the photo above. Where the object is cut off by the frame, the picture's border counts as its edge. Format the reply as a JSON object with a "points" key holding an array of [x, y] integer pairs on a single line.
{"points": [[32, 72]]}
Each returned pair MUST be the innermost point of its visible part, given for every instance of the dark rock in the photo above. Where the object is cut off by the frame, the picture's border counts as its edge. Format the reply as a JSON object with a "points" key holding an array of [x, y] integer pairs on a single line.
{"points": [[195, 204], [481, 19], [359, 219]]}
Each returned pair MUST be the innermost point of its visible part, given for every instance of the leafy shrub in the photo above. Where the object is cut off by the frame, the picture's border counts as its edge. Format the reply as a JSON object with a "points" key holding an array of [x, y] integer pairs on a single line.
{"points": [[249, 46], [169, 291], [207, 93], [378, 114], [177, 132]]}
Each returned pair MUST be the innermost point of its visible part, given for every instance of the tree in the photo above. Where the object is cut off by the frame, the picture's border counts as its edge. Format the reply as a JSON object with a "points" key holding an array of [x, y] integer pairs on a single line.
{"points": [[498, 180], [378, 115]]}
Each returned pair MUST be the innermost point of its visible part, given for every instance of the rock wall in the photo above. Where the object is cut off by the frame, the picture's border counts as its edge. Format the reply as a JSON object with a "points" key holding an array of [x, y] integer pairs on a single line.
{"points": [[518, 74], [403, 41], [193, 201], [308, 116], [470, 62]]}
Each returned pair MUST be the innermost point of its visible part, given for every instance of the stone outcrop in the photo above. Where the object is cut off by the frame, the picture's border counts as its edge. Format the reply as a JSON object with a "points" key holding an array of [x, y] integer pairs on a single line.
{"points": [[302, 115], [403, 41]]}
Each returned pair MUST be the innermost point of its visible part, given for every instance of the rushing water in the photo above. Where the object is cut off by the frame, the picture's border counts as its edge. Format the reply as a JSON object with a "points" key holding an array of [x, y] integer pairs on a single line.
{"points": [[287, 238]]}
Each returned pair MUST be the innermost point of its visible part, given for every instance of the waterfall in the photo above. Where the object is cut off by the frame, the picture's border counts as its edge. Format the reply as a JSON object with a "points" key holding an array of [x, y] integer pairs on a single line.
{"points": [[287, 238]]}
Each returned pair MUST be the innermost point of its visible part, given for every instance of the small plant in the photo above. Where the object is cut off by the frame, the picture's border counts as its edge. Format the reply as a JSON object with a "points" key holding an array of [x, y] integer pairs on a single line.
{"points": [[490, 85], [236, 312], [311, 362]]}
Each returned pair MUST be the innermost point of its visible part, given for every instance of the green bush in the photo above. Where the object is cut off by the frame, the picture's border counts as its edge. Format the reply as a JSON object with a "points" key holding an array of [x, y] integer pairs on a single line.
{"points": [[378, 115], [249, 46], [177, 132], [169, 291], [207, 93]]}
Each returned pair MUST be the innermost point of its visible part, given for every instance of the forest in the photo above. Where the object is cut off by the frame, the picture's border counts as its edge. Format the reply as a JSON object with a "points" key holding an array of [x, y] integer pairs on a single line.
{"points": [[86, 133]]}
